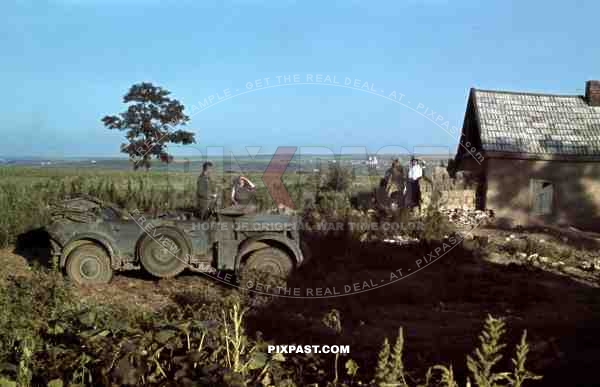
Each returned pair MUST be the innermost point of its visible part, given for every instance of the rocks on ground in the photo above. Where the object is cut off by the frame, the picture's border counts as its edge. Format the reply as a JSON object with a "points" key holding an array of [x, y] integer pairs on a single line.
{"points": [[468, 216]]}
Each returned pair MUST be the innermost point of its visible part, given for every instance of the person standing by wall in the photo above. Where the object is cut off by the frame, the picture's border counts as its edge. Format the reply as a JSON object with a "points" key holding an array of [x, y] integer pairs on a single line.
{"points": [[387, 178], [413, 188], [394, 182]]}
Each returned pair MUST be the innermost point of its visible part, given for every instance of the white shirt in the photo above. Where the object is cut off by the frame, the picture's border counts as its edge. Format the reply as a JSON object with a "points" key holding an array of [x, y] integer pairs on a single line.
{"points": [[415, 172]]}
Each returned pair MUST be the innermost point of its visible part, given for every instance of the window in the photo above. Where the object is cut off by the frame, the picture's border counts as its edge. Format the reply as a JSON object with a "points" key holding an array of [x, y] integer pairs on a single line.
{"points": [[542, 196]]}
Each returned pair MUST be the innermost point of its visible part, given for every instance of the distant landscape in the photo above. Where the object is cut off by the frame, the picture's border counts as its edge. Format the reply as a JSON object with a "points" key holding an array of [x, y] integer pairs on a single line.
{"points": [[305, 162]]}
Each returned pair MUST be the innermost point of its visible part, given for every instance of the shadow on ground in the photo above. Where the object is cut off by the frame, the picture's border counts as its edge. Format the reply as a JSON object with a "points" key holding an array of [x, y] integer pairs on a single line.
{"points": [[442, 309], [34, 245]]}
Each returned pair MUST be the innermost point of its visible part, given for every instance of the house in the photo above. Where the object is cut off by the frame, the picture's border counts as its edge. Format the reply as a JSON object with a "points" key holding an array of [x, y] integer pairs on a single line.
{"points": [[535, 158]]}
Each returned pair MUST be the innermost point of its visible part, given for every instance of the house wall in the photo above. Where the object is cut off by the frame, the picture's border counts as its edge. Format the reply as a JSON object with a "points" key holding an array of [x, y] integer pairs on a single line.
{"points": [[576, 198]]}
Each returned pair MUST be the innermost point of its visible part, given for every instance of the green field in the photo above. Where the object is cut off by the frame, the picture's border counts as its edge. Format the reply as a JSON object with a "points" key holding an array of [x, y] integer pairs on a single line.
{"points": [[27, 192]]}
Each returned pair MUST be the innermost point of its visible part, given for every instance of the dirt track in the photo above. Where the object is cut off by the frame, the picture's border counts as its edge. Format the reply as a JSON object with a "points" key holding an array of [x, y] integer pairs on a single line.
{"points": [[136, 290]]}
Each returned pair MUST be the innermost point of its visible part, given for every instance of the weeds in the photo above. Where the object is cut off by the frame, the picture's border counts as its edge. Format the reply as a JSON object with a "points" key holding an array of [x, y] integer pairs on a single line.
{"points": [[333, 321], [520, 374], [488, 354], [235, 338], [390, 368]]}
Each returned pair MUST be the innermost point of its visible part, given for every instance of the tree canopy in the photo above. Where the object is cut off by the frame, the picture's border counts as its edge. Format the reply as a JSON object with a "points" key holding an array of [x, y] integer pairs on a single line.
{"points": [[150, 122]]}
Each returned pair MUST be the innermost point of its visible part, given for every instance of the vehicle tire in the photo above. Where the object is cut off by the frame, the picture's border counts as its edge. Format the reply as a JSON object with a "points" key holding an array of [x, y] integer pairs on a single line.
{"points": [[89, 264], [165, 256], [269, 261]]}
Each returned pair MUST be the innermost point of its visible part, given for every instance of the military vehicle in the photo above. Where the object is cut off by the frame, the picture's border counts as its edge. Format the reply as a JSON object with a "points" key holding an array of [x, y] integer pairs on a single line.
{"points": [[92, 239]]}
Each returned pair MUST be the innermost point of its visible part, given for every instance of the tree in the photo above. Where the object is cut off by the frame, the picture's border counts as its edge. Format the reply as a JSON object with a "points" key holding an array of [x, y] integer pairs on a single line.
{"points": [[337, 179], [150, 121]]}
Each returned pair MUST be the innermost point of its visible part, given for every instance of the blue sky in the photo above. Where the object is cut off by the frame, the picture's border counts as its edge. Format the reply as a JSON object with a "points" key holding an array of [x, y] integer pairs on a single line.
{"points": [[67, 63]]}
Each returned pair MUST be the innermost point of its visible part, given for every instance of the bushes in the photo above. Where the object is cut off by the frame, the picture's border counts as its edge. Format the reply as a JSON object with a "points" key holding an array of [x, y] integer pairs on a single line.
{"points": [[435, 225], [332, 195], [337, 179], [32, 311]]}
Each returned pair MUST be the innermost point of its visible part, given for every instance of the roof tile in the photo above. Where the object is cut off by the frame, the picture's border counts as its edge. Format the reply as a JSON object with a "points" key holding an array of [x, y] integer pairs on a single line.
{"points": [[537, 123]]}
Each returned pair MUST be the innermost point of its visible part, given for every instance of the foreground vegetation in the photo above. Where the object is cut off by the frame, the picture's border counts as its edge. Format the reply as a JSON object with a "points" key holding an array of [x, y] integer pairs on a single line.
{"points": [[47, 337]]}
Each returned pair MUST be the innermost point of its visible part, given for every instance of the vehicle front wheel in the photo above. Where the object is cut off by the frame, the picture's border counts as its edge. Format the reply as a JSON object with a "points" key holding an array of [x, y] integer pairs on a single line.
{"points": [[269, 262], [89, 265]]}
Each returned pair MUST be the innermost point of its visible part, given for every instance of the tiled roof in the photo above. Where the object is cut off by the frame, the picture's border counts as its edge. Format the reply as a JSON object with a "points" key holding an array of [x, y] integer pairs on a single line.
{"points": [[537, 123]]}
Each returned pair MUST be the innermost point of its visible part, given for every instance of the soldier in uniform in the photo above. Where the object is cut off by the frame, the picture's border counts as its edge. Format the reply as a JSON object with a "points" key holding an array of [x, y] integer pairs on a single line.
{"points": [[394, 182], [243, 194], [206, 192]]}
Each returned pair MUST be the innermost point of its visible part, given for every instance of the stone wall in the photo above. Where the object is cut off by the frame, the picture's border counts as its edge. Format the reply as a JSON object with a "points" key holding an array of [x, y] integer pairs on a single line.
{"points": [[454, 193]]}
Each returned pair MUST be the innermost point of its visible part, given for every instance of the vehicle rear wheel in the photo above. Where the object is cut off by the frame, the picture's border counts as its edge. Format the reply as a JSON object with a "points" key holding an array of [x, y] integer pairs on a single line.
{"points": [[166, 255], [269, 262], [89, 264]]}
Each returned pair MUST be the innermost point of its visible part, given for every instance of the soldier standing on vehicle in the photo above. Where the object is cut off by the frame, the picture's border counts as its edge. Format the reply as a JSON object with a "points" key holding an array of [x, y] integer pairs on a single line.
{"points": [[243, 194], [206, 192]]}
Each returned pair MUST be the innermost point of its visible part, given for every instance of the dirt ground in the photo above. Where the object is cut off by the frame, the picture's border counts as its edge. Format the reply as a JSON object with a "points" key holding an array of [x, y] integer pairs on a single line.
{"points": [[441, 307]]}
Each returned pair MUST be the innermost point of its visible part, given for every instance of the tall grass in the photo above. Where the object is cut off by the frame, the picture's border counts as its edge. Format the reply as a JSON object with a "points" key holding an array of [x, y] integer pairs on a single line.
{"points": [[27, 193]]}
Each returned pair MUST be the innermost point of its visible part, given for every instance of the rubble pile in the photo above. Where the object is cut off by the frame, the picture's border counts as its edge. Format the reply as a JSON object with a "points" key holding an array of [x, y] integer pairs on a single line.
{"points": [[468, 217], [401, 240], [590, 265]]}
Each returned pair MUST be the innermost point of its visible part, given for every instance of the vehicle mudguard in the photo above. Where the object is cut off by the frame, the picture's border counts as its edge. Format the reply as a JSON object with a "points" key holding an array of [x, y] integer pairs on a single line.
{"points": [[269, 240], [78, 240]]}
